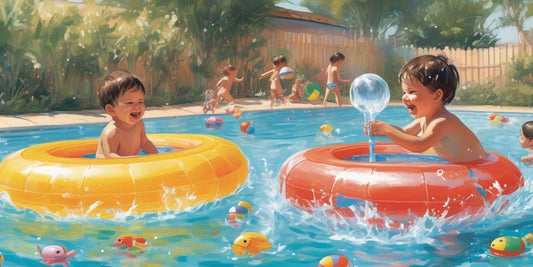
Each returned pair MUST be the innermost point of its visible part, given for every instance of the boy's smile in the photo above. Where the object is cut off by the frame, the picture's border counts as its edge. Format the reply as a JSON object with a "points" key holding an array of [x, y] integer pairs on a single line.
{"points": [[129, 107], [417, 98]]}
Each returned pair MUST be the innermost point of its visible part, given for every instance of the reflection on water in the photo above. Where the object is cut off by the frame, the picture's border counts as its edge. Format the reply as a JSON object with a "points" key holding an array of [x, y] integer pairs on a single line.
{"points": [[202, 237]]}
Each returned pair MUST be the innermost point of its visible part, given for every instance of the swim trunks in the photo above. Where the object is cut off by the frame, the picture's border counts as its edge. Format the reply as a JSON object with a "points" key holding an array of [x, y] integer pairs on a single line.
{"points": [[331, 85]]}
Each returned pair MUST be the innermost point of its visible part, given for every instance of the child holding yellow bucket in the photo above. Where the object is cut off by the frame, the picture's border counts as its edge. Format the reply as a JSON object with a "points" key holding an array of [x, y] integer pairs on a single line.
{"points": [[122, 97]]}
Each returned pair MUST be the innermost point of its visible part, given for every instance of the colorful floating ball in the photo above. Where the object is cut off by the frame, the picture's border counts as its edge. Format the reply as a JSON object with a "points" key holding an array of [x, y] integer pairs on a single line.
{"points": [[245, 204], [237, 213], [312, 91], [286, 73], [246, 127], [1, 258], [214, 122], [335, 261], [497, 120]]}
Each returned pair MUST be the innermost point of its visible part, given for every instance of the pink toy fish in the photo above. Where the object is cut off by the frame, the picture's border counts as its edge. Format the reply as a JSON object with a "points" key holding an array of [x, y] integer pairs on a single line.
{"points": [[130, 241], [55, 255]]}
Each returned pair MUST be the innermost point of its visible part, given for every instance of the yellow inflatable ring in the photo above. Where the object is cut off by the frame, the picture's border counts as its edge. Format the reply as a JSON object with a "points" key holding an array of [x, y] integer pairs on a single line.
{"points": [[53, 178]]}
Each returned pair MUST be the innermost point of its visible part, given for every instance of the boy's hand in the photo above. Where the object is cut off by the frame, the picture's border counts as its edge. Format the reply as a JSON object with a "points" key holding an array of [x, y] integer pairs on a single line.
{"points": [[377, 128]]}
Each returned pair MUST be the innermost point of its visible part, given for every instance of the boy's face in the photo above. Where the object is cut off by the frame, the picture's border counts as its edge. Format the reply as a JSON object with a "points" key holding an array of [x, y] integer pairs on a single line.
{"points": [[418, 99], [524, 141], [128, 108]]}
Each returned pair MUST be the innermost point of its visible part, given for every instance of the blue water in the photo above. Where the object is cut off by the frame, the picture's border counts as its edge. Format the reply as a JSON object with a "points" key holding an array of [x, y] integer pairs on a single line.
{"points": [[202, 237]]}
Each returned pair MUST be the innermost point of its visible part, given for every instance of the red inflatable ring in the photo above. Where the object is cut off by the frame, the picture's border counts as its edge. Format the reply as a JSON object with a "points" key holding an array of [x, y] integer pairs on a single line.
{"points": [[399, 190]]}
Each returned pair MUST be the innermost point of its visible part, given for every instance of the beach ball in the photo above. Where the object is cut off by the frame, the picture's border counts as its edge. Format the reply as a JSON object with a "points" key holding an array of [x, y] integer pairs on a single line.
{"points": [[237, 213], [286, 73], [369, 94], [312, 91], [246, 127], [335, 261], [214, 122], [1, 258]]}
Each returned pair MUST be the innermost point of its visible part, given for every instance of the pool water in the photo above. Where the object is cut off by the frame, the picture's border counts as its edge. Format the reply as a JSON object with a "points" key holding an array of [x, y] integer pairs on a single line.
{"points": [[201, 236]]}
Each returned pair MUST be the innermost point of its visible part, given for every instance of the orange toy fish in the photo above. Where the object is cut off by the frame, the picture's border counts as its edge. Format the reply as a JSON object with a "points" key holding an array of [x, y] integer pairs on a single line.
{"points": [[250, 242], [130, 241]]}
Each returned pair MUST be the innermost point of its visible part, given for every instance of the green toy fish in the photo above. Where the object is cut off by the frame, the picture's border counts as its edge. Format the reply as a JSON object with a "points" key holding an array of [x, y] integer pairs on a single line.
{"points": [[510, 246]]}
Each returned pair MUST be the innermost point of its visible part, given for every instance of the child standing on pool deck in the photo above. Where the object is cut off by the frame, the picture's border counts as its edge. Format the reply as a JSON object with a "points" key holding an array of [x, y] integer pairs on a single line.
{"points": [[122, 97], [334, 77], [276, 91], [526, 140], [224, 85], [428, 84]]}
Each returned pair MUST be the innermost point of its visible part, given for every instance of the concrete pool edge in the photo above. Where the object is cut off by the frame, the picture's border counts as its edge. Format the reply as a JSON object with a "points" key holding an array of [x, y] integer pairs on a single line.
{"points": [[59, 118]]}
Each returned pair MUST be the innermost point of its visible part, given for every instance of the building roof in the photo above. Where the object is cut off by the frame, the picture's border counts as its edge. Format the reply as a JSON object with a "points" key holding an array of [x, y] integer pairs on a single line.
{"points": [[281, 12]]}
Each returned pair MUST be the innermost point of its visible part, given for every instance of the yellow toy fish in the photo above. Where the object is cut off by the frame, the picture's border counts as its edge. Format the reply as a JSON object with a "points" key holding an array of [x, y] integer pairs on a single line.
{"points": [[250, 242], [1, 258]]}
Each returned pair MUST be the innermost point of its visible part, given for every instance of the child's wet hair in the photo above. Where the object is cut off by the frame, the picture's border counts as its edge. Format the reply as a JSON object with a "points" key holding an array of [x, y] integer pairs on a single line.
{"points": [[527, 129], [116, 84], [228, 69], [279, 59], [434, 72], [336, 57]]}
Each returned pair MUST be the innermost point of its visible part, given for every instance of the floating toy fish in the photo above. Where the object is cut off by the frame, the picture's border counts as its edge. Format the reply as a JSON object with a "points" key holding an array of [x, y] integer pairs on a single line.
{"points": [[510, 246], [250, 242], [335, 261], [497, 120], [55, 255], [130, 241], [1, 258], [326, 128]]}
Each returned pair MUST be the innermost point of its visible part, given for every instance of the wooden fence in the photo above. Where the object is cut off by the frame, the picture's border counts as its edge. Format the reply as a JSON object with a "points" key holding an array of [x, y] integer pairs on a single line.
{"points": [[479, 65]]}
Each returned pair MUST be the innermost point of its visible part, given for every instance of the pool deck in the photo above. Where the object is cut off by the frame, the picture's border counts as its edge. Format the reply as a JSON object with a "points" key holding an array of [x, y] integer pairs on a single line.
{"points": [[56, 118]]}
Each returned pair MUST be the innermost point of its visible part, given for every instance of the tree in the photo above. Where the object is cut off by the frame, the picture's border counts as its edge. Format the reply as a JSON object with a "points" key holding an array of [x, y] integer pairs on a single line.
{"points": [[373, 18], [453, 23], [516, 12]]}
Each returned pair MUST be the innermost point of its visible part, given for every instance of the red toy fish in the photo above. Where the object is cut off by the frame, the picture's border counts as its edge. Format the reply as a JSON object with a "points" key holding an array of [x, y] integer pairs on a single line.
{"points": [[130, 241]]}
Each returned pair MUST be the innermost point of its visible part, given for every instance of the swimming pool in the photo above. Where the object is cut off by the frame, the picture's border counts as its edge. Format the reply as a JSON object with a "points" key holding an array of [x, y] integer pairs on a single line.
{"points": [[201, 237]]}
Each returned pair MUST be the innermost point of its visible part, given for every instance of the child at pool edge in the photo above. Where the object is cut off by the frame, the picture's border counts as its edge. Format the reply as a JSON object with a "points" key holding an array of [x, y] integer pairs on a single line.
{"points": [[210, 101], [526, 140], [333, 76], [122, 97], [229, 75], [297, 92], [428, 84], [276, 91]]}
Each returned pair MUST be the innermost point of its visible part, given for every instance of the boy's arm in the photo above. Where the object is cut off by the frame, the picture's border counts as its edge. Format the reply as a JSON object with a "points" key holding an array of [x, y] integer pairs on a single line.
{"points": [[266, 74], [339, 79], [239, 80], [528, 158], [434, 132], [147, 145], [109, 144]]}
